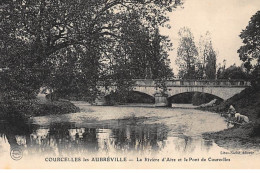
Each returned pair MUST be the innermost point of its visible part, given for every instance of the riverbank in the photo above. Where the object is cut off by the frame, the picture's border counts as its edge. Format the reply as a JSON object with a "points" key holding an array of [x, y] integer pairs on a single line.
{"points": [[247, 103], [31, 108]]}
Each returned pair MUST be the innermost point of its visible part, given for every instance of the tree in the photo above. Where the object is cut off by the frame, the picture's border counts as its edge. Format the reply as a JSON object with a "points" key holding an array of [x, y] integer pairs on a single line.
{"points": [[160, 64], [36, 37], [211, 65], [250, 51], [207, 58], [233, 72], [143, 55], [147, 54], [187, 54]]}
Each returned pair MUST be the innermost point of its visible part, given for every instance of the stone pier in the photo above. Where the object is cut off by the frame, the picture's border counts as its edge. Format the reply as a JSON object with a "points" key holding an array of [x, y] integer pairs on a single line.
{"points": [[100, 100], [161, 100]]}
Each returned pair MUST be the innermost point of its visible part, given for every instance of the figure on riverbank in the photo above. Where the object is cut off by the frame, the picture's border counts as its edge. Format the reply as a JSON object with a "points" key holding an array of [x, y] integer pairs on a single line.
{"points": [[236, 117], [241, 118], [231, 111]]}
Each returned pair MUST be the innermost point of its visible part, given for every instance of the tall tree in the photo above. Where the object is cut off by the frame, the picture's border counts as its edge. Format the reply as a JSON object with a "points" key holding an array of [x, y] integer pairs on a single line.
{"points": [[220, 68], [250, 51], [207, 57], [211, 68], [144, 49], [187, 54], [160, 64], [143, 55]]}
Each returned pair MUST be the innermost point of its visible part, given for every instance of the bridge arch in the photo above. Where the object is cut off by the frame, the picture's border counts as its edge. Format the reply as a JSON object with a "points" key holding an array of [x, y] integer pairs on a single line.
{"points": [[190, 97], [193, 92], [221, 92], [148, 90], [141, 97], [133, 97]]}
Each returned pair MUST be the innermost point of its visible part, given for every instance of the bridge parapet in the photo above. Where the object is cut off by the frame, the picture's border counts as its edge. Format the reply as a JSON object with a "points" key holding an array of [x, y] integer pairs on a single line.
{"points": [[208, 83]]}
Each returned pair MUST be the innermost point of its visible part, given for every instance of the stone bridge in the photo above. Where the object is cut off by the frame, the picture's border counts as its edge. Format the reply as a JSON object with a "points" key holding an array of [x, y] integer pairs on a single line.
{"points": [[223, 89]]}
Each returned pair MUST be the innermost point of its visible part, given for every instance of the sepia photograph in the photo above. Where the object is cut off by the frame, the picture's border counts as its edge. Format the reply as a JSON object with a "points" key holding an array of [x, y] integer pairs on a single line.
{"points": [[129, 84]]}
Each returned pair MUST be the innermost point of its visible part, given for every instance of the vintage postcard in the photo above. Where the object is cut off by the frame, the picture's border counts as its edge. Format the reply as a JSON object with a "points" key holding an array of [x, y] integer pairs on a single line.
{"points": [[129, 84]]}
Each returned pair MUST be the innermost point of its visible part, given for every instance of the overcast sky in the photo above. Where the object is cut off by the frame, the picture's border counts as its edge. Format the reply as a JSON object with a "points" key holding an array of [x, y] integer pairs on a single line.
{"points": [[224, 19]]}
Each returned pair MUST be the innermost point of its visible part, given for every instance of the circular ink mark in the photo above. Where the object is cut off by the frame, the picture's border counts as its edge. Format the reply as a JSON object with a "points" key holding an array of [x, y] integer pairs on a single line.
{"points": [[16, 153]]}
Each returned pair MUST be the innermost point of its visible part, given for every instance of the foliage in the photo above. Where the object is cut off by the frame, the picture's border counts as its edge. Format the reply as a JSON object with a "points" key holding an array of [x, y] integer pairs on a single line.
{"points": [[196, 62], [19, 73], [187, 54], [207, 58], [250, 51], [65, 45], [11, 110], [232, 72], [142, 55]]}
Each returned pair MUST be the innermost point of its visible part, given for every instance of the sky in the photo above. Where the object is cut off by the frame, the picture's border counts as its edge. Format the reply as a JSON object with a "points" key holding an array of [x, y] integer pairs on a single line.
{"points": [[224, 19]]}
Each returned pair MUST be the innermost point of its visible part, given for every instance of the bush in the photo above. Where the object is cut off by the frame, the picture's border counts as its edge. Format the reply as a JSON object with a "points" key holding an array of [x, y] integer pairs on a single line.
{"points": [[24, 109], [55, 107]]}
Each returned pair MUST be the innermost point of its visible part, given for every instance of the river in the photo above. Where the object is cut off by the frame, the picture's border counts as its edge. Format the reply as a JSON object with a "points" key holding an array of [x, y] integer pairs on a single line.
{"points": [[115, 131]]}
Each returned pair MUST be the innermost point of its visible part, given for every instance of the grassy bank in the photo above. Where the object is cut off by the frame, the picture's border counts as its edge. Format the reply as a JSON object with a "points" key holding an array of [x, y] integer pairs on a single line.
{"points": [[243, 137], [247, 103], [28, 108]]}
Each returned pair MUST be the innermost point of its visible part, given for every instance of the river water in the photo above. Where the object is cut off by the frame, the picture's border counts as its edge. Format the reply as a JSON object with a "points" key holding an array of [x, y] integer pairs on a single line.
{"points": [[115, 131]]}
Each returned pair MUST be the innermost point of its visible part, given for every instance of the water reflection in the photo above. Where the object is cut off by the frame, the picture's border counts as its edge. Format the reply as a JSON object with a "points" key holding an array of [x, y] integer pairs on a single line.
{"points": [[110, 136]]}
